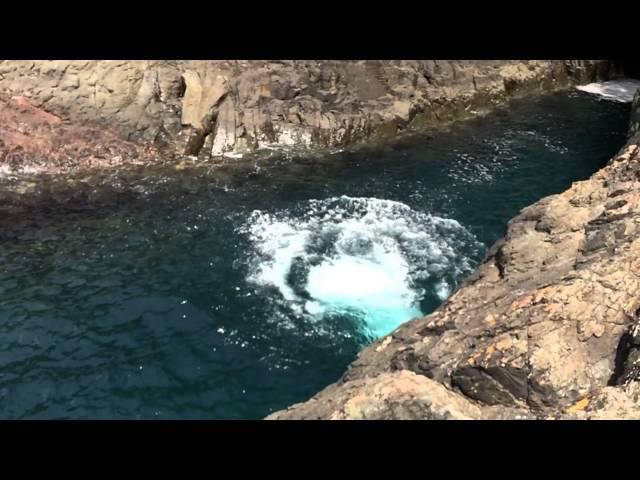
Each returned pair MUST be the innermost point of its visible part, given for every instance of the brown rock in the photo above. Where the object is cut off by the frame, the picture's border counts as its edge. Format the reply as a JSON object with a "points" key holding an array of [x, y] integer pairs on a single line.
{"points": [[549, 325], [401, 395], [336, 103]]}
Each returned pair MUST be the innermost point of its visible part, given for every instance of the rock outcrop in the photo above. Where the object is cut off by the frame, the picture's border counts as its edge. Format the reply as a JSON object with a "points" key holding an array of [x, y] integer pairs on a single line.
{"points": [[547, 327], [35, 141], [634, 124], [213, 108]]}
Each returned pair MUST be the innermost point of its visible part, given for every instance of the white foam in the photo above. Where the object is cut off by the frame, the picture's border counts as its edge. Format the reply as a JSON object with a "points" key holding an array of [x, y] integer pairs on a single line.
{"points": [[621, 90], [282, 242], [443, 290], [361, 257], [375, 288]]}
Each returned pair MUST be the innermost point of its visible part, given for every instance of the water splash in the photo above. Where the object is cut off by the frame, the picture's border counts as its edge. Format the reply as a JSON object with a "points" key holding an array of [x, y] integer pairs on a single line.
{"points": [[621, 90], [366, 259]]}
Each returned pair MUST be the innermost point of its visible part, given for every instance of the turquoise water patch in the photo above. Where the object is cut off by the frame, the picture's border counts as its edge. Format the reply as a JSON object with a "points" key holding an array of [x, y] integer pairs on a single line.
{"points": [[371, 258]]}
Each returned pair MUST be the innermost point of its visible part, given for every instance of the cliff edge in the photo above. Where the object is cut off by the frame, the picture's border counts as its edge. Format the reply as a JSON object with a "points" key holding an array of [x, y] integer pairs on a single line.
{"points": [[547, 327], [211, 109]]}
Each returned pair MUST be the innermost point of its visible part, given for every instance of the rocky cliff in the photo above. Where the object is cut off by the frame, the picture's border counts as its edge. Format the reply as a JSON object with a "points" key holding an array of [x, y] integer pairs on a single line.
{"points": [[634, 124], [547, 327], [213, 108]]}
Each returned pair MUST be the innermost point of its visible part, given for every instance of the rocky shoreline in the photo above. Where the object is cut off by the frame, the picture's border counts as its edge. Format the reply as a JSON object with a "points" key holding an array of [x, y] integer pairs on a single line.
{"points": [[59, 116], [548, 327]]}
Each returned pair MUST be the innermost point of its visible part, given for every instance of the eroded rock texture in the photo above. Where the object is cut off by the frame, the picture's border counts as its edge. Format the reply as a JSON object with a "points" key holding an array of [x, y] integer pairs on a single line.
{"points": [[33, 140], [547, 327], [634, 124], [212, 108]]}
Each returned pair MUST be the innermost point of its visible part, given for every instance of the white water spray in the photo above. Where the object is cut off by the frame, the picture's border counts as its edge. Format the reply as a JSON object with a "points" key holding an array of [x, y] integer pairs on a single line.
{"points": [[363, 258], [621, 90]]}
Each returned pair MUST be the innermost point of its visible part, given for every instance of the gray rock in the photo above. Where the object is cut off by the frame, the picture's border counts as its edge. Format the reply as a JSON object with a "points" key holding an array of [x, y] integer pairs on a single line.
{"points": [[323, 104], [547, 327]]}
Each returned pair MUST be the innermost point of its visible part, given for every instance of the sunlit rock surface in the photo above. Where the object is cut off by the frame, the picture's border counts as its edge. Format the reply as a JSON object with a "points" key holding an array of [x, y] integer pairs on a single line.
{"points": [[547, 327]]}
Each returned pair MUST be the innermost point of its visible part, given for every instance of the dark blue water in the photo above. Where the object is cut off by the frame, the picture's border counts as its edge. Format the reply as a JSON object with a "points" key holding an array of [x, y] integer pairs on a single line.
{"points": [[236, 291]]}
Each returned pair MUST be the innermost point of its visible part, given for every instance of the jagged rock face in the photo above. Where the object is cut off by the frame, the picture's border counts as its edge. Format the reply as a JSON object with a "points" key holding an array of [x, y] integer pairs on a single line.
{"points": [[34, 141], [211, 108], [397, 395], [634, 124], [547, 327]]}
